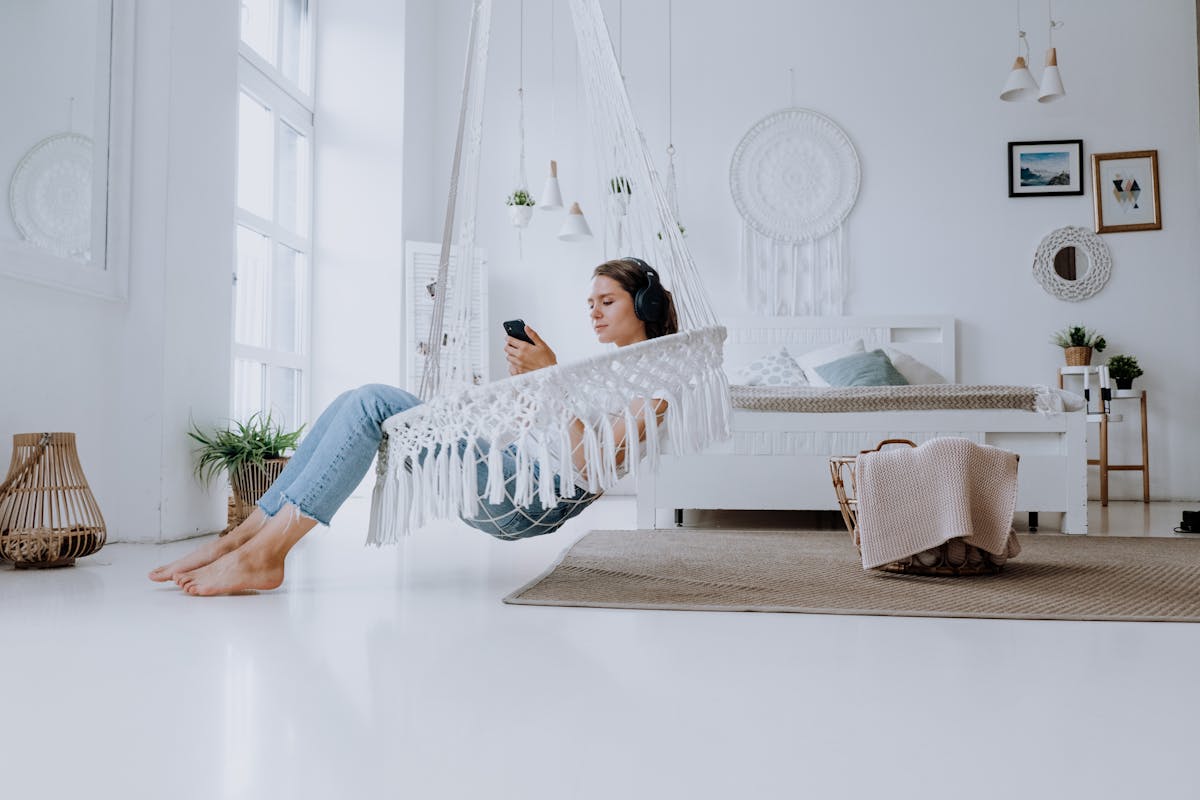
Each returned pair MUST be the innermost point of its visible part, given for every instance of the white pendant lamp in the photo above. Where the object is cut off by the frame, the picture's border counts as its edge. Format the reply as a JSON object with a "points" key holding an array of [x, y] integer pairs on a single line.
{"points": [[575, 227], [1020, 85], [551, 195], [1052, 85]]}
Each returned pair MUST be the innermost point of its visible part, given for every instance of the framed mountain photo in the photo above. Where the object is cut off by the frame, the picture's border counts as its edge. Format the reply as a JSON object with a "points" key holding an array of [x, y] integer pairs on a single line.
{"points": [[1041, 169]]}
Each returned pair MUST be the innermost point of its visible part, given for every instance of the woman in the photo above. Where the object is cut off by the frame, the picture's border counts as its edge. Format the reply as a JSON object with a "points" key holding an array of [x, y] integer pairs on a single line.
{"points": [[627, 305]]}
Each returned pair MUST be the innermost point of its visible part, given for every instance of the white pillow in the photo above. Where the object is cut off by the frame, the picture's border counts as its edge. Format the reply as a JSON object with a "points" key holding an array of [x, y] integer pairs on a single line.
{"points": [[914, 370], [814, 358], [772, 369]]}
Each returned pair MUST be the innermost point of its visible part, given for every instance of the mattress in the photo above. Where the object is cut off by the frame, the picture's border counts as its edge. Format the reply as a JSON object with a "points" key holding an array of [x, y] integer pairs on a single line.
{"points": [[927, 397], [748, 401]]}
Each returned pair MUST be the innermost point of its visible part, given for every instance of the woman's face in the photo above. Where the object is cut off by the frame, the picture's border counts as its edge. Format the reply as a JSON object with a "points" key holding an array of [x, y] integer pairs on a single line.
{"points": [[612, 314]]}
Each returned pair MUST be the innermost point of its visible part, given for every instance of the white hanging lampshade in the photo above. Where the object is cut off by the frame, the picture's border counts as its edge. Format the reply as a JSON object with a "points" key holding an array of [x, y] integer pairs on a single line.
{"points": [[551, 195], [1052, 85], [1020, 84], [575, 227]]}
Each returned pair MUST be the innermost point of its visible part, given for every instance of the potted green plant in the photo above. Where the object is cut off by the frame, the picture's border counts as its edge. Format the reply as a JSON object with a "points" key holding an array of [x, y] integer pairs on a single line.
{"points": [[621, 190], [1123, 369], [252, 454], [520, 207], [1078, 343]]}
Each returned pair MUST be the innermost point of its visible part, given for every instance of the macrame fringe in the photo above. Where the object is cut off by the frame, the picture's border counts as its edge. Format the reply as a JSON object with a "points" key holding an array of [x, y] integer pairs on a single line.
{"points": [[794, 278], [429, 463]]}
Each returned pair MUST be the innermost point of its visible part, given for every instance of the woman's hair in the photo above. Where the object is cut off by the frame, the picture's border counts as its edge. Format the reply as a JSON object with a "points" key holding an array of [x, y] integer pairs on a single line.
{"points": [[632, 278]]}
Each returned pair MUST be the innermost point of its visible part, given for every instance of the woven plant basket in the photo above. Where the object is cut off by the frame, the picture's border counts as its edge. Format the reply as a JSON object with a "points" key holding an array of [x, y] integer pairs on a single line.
{"points": [[48, 516], [1078, 356], [250, 482], [954, 558]]}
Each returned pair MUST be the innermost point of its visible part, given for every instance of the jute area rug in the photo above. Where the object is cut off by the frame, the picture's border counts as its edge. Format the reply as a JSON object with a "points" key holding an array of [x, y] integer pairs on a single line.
{"points": [[819, 572]]}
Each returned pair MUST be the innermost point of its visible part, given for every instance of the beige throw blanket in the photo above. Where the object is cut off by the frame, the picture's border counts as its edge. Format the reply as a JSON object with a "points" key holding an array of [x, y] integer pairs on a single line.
{"points": [[915, 499]]}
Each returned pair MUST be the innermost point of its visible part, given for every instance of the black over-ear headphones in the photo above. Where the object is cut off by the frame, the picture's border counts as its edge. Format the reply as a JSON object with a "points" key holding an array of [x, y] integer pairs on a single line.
{"points": [[649, 303]]}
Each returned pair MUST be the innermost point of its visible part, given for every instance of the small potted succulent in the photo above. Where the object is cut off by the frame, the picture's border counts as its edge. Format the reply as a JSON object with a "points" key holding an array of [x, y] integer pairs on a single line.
{"points": [[520, 207], [621, 190], [1078, 344], [620, 185], [1123, 369]]}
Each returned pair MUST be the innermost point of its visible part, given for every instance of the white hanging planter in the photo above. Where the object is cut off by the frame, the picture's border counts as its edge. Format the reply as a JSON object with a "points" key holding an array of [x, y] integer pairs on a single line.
{"points": [[520, 207], [620, 189], [520, 215]]}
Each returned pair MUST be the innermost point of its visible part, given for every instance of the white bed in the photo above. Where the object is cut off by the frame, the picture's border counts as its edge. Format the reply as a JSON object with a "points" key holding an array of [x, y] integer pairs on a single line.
{"points": [[779, 460]]}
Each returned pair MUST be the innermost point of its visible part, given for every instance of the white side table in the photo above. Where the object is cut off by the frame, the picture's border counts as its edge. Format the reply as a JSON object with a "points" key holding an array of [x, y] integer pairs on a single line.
{"points": [[1103, 418]]}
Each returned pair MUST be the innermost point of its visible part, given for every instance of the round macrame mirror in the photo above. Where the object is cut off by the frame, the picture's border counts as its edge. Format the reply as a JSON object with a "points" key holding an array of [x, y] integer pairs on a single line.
{"points": [[1072, 263]]}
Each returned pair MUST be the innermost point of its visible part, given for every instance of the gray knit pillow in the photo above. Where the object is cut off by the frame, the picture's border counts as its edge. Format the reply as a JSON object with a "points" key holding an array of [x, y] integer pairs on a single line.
{"points": [[772, 369]]}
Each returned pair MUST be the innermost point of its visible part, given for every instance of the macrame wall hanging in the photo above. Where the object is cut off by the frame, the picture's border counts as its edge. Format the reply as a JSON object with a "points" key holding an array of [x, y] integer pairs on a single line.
{"points": [[794, 179]]}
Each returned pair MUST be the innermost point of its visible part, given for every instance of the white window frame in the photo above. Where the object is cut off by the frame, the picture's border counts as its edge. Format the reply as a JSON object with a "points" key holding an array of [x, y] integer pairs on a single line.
{"points": [[289, 105]]}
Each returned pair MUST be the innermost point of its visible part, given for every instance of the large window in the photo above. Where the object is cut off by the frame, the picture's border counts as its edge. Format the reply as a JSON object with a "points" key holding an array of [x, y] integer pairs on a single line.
{"points": [[274, 212]]}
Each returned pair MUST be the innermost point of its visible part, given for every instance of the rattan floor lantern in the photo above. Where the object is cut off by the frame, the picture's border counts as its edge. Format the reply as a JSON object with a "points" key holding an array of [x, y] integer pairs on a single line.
{"points": [[48, 516]]}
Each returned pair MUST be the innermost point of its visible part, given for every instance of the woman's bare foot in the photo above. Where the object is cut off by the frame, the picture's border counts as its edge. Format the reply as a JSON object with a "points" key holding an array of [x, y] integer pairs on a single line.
{"points": [[242, 570], [209, 552], [255, 565]]}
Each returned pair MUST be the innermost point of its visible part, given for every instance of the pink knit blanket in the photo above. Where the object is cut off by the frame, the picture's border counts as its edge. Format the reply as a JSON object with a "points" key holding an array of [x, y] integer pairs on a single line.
{"points": [[914, 499]]}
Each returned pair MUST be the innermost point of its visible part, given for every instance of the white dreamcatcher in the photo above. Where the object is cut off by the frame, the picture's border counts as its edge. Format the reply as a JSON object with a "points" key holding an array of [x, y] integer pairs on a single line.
{"points": [[794, 179]]}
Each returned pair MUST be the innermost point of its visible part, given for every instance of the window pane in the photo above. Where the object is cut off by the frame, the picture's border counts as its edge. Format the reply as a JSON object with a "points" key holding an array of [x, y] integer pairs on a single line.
{"points": [[248, 388], [256, 156], [287, 299], [285, 397], [294, 58], [293, 179], [258, 26], [250, 291]]}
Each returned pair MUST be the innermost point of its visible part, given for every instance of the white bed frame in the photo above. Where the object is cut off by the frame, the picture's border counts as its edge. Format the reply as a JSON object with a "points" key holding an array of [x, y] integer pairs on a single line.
{"points": [[1052, 476]]}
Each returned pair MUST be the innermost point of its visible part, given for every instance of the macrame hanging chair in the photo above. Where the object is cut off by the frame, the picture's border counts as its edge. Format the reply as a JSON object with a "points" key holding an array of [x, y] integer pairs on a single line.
{"points": [[446, 457]]}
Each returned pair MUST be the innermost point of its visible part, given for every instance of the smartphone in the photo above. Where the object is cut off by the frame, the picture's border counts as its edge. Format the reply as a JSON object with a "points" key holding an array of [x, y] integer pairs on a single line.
{"points": [[516, 329]]}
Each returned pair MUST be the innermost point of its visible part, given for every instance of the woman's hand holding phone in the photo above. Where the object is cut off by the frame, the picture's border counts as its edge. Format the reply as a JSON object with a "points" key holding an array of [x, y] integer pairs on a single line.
{"points": [[528, 353]]}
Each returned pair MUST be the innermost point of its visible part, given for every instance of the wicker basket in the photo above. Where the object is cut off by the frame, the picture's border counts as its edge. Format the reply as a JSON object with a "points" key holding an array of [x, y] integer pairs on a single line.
{"points": [[48, 516], [1078, 356], [249, 483], [954, 558]]}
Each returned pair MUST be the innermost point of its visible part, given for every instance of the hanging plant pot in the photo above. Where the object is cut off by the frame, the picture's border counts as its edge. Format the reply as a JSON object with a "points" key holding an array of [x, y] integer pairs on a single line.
{"points": [[520, 207], [621, 190], [520, 215]]}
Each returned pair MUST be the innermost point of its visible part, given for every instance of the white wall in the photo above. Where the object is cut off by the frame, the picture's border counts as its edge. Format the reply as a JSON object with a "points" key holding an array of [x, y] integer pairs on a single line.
{"points": [[127, 377], [358, 276], [56, 41], [915, 85]]}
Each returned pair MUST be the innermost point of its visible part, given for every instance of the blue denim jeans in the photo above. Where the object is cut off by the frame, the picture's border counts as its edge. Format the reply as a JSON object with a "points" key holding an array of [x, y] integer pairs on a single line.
{"points": [[339, 449]]}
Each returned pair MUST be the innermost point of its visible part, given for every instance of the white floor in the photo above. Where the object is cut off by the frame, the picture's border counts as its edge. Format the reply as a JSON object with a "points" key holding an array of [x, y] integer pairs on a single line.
{"points": [[399, 673]]}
